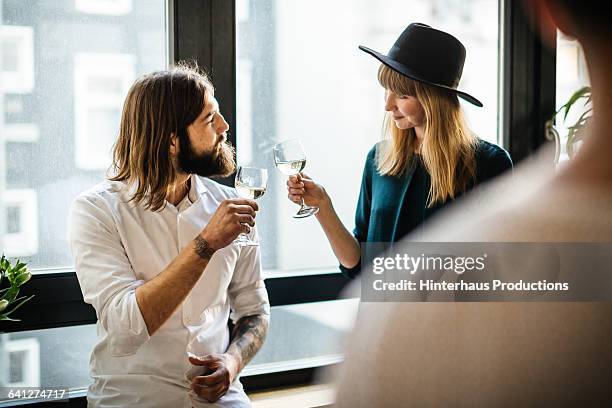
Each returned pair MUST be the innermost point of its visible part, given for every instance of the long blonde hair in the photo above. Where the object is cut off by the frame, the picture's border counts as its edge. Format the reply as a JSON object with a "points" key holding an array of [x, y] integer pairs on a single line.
{"points": [[158, 105], [448, 146]]}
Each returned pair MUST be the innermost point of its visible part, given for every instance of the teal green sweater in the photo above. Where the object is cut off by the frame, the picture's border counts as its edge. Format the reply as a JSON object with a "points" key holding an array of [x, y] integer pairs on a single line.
{"points": [[390, 207]]}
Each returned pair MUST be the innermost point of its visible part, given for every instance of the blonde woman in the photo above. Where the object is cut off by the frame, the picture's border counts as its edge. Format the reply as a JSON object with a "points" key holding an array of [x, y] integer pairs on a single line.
{"points": [[429, 156]]}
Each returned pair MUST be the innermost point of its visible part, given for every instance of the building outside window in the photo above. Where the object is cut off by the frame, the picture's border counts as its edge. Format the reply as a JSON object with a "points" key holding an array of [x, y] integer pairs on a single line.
{"points": [[21, 215], [17, 59], [101, 82], [108, 7], [22, 360]]}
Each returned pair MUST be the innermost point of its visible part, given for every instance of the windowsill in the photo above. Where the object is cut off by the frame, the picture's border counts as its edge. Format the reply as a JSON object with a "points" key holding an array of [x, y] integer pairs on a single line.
{"points": [[276, 367], [308, 396]]}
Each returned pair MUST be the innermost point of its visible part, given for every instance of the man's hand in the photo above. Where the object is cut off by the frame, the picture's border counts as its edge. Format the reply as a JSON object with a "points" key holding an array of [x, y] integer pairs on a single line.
{"points": [[222, 369], [232, 217]]}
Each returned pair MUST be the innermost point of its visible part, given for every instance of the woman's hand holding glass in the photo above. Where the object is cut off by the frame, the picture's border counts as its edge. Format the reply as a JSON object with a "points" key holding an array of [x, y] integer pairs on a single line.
{"points": [[290, 159], [301, 187]]}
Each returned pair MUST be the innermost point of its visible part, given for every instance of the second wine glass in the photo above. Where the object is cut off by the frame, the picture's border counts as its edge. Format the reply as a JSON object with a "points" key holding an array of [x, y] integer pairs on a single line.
{"points": [[250, 183], [290, 159]]}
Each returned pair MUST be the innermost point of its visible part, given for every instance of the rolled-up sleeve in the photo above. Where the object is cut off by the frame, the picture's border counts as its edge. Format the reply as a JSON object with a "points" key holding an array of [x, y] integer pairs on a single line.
{"points": [[247, 290], [105, 275]]}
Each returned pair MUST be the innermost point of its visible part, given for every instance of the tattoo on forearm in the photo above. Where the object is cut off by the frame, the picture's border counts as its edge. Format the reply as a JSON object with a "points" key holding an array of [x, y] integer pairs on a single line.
{"points": [[202, 248], [248, 337]]}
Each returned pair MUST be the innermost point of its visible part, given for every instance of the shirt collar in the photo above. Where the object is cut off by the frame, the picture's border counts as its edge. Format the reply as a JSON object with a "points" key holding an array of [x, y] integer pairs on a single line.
{"points": [[197, 189]]}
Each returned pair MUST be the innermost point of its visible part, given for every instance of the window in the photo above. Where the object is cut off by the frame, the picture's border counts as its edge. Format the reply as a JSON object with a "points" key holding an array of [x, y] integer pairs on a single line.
{"points": [[22, 362], [66, 68], [319, 328], [17, 59], [572, 75], [305, 335], [55, 358], [300, 75], [101, 82]]}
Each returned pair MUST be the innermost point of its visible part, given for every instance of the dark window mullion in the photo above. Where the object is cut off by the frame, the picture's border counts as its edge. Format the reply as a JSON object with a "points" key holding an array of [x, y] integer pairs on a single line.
{"points": [[529, 82]]}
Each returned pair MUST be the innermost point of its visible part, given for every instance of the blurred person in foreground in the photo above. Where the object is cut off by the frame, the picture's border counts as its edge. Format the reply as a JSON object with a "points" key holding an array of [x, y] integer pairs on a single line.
{"points": [[429, 157], [514, 353], [154, 255]]}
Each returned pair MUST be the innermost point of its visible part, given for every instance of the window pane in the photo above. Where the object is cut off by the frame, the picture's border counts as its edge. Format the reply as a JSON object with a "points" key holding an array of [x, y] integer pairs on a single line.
{"points": [[56, 358], [572, 75], [67, 67], [300, 75], [304, 335]]}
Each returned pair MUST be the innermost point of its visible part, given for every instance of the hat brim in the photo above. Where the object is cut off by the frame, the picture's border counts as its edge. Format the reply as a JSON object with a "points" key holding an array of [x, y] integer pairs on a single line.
{"points": [[404, 70]]}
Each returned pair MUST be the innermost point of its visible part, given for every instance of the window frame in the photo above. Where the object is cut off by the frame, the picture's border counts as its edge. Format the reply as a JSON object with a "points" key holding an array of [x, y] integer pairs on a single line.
{"points": [[20, 81], [204, 31]]}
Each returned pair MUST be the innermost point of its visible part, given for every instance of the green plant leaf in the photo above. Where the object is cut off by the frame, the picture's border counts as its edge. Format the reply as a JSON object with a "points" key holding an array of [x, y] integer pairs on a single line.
{"points": [[584, 117], [583, 92], [11, 293], [4, 264], [23, 300]]}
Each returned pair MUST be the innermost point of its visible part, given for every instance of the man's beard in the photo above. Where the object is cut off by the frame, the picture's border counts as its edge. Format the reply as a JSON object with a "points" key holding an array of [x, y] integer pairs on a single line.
{"points": [[218, 163]]}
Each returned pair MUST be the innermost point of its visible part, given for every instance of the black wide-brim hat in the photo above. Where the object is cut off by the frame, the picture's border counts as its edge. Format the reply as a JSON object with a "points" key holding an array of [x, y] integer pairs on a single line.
{"points": [[427, 55]]}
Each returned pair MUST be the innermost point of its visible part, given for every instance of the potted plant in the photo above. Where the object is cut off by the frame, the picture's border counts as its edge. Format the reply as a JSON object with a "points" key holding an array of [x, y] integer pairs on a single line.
{"points": [[16, 275], [575, 132]]}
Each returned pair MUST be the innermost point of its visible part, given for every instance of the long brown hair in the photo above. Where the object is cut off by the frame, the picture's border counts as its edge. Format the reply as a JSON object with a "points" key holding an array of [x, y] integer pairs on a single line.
{"points": [[448, 146], [157, 106]]}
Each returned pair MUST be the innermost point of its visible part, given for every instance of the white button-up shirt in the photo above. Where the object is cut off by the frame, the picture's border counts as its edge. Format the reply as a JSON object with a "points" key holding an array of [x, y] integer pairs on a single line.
{"points": [[118, 246]]}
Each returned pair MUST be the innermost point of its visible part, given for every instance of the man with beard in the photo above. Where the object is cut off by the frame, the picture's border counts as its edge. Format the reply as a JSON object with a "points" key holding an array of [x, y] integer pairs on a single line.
{"points": [[154, 255]]}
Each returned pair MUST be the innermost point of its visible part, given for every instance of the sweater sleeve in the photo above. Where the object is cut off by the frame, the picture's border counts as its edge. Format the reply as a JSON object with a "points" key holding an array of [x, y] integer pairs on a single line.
{"points": [[362, 213]]}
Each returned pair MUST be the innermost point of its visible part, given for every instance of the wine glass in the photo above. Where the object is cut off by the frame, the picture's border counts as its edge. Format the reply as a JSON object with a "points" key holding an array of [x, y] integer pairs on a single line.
{"points": [[250, 183], [290, 159]]}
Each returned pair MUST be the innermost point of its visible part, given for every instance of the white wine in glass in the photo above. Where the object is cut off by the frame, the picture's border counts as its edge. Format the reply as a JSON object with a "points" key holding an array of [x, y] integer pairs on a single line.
{"points": [[250, 192], [291, 167], [290, 159], [250, 183]]}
